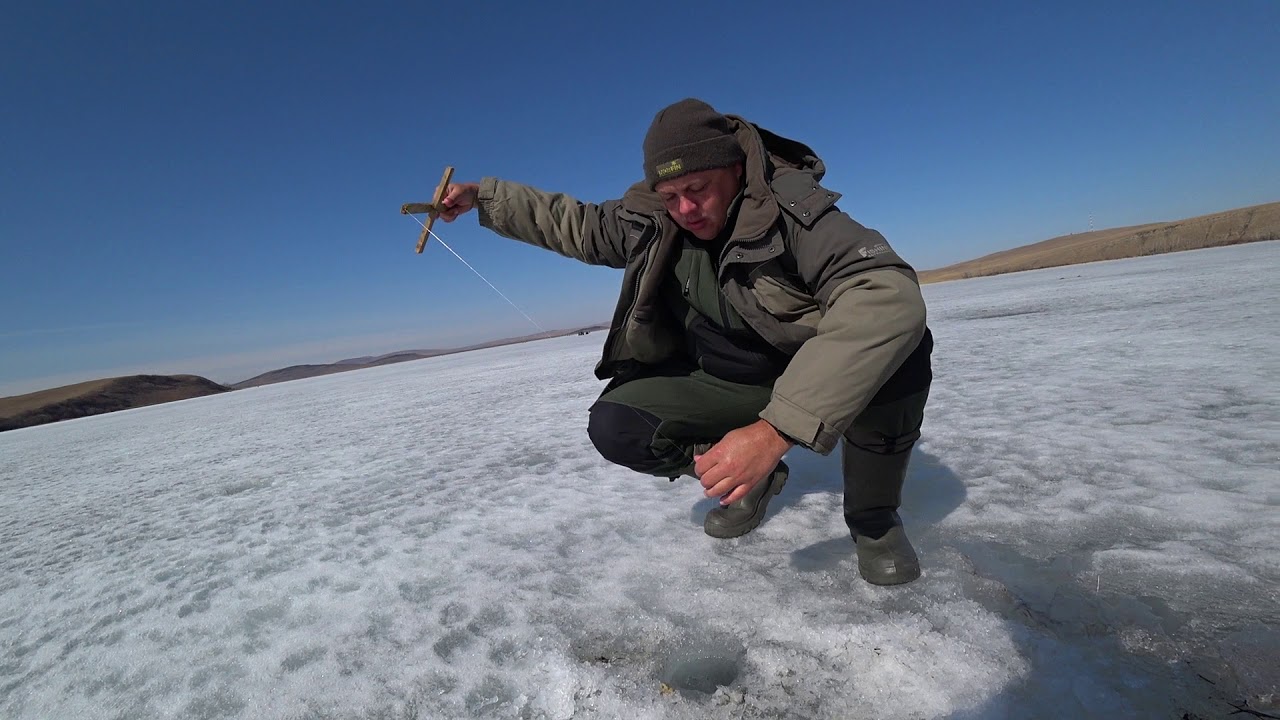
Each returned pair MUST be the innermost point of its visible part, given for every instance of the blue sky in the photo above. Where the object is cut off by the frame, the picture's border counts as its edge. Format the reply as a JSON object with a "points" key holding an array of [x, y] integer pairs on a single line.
{"points": [[214, 187]]}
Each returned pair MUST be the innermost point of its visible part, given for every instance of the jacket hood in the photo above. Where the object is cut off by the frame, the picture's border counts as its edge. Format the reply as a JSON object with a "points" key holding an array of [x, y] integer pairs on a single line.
{"points": [[769, 156]]}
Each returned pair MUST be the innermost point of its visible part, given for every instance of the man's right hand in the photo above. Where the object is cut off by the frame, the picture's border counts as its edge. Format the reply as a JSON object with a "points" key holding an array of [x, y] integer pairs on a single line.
{"points": [[458, 199]]}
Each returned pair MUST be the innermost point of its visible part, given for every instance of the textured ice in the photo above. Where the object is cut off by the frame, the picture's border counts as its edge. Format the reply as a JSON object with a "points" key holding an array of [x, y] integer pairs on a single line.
{"points": [[1094, 500]]}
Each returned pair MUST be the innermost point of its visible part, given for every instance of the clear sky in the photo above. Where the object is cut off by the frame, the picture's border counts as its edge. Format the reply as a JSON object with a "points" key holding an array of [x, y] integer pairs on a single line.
{"points": [[214, 187]]}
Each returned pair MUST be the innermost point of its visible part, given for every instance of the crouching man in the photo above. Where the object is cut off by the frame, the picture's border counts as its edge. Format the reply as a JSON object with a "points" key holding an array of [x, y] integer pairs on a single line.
{"points": [[754, 316]]}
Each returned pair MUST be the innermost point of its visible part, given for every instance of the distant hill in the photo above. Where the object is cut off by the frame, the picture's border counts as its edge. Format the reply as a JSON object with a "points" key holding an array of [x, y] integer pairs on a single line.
{"points": [[101, 396], [1232, 227], [122, 393], [294, 372], [298, 372], [1243, 225]]}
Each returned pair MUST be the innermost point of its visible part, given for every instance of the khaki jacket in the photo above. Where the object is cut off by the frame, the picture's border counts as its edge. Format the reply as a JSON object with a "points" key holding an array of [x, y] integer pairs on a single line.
{"points": [[808, 278]]}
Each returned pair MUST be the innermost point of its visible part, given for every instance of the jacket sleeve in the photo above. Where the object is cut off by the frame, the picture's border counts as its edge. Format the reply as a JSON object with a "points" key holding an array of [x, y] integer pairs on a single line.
{"points": [[873, 318], [593, 234]]}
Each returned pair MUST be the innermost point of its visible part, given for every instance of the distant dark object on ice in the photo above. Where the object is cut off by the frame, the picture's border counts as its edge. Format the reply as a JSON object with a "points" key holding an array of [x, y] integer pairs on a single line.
{"points": [[298, 372]]}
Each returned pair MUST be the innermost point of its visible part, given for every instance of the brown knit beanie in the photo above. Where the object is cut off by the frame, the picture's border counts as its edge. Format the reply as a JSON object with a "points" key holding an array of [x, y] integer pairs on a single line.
{"points": [[686, 137]]}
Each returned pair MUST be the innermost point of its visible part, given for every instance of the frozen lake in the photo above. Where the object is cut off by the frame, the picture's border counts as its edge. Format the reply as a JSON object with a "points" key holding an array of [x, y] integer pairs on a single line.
{"points": [[1094, 501]]}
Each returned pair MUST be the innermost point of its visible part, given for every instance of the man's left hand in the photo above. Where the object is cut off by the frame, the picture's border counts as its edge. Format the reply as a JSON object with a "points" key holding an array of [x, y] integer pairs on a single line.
{"points": [[741, 459]]}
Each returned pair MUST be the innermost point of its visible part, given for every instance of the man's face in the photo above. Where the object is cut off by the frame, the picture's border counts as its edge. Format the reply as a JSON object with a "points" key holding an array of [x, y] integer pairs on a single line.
{"points": [[699, 202]]}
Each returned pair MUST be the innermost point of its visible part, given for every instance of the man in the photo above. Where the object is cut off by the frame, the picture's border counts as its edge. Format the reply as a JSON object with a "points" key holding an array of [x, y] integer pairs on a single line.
{"points": [[754, 316]]}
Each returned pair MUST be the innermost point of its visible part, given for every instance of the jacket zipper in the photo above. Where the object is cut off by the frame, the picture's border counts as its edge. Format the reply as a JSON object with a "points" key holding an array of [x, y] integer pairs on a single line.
{"points": [[635, 296], [635, 290], [724, 308]]}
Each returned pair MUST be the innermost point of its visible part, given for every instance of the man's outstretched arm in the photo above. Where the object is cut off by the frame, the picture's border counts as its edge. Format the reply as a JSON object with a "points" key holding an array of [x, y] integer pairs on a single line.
{"points": [[587, 232]]}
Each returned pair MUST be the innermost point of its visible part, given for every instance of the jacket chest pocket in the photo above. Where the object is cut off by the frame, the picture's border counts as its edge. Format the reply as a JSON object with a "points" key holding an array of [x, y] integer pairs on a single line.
{"points": [[783, 295]]}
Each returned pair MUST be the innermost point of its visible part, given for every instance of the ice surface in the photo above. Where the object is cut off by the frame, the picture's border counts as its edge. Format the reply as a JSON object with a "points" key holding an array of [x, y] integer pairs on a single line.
{"points": [[1094, 500]]}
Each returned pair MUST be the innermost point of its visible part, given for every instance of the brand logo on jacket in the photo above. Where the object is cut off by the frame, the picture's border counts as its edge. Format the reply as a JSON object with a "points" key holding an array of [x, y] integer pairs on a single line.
{"points": [[873, 251]]}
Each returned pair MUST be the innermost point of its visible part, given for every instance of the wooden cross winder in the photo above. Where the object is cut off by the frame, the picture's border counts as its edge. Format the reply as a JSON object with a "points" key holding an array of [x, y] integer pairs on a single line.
{"points": [[432, 209]]}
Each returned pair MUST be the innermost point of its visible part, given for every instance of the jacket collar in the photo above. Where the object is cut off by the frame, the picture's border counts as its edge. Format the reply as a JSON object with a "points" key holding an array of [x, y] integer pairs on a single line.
{"points": [[767, 155]]}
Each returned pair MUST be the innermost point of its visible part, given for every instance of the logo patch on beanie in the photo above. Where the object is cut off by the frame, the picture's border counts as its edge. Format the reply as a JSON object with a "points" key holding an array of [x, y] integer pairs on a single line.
{"points": [[670, 168]]}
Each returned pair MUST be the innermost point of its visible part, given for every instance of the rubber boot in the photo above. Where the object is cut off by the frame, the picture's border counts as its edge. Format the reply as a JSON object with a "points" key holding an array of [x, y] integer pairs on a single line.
{"points": [[872, 493], [742, 516]]}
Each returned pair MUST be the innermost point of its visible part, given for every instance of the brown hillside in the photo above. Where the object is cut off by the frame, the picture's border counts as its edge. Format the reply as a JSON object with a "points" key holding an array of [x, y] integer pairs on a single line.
{"points": [[294, 372], [1250, 224], [100, 396]]}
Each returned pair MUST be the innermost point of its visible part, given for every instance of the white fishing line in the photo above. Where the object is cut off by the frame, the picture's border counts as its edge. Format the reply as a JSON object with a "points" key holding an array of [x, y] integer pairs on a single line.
{"points": [[477, 272], [686, 453]]}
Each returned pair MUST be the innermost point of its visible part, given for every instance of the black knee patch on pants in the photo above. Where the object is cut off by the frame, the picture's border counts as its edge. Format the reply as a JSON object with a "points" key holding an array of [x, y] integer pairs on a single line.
{"points": [[624, 435]]}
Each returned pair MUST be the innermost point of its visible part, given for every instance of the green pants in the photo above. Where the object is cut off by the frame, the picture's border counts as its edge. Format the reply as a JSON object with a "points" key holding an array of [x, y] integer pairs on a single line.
{"points": [[651, 423]]}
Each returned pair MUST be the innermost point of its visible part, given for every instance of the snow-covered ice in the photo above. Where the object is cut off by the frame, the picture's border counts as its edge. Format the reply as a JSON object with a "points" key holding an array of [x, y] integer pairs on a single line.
{"points": [[1094, 501]]}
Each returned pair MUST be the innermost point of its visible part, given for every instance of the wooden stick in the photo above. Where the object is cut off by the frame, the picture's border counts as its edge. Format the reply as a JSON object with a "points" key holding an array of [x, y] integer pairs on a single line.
{"points": [[418, 208], [433, 209]]}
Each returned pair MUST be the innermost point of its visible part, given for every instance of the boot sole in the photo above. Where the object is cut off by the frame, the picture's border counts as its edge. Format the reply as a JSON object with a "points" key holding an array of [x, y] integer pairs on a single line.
{"points": [[724, 533]]}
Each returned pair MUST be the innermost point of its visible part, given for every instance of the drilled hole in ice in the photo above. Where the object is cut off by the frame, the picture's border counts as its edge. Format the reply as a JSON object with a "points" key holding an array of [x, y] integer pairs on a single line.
{"points": [[700, 669]]}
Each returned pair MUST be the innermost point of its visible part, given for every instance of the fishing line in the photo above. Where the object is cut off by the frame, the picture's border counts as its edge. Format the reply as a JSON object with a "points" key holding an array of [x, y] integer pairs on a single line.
{"points": [[477, 272], [687, 455]]}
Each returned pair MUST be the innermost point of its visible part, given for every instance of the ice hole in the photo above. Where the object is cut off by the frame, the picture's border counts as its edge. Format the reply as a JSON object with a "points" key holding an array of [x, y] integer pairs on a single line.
{"points": [[700, 668]]}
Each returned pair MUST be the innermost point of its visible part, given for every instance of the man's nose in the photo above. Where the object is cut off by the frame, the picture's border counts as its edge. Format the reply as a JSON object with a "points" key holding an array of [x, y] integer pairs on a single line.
{"points": [[687, 206]]}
